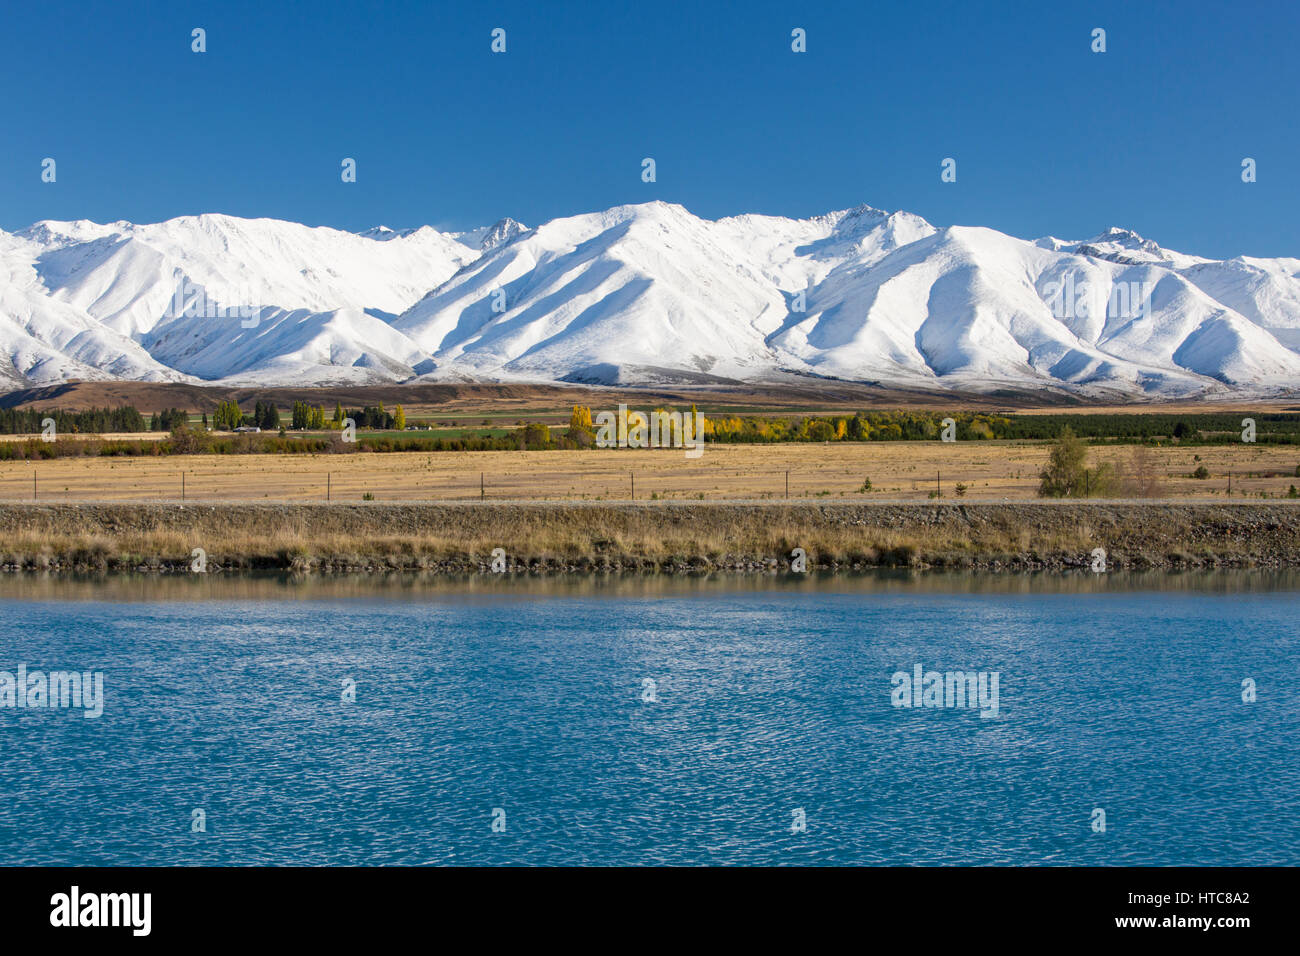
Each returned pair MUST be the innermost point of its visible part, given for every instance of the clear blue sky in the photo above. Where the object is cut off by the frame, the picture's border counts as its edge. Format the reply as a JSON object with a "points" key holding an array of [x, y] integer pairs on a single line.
{"points": [[1048, 136]]}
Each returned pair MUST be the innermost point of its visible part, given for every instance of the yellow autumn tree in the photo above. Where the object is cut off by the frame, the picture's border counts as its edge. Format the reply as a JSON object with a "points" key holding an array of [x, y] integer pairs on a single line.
{"points": [[706, 426], [580, 420]]}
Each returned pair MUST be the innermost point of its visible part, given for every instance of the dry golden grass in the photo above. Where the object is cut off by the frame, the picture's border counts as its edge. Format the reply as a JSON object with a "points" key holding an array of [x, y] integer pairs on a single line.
{"points": [[659, 534], [558, 537], [897, 470]]}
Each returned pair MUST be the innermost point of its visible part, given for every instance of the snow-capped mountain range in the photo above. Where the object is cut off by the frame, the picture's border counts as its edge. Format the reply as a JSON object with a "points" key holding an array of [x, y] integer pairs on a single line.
{"points": [[642, 294]]}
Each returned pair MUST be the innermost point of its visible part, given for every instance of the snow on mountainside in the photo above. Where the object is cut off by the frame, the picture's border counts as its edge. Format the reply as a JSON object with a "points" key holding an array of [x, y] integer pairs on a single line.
{"points": [[291, 347], [642, 294], [975, 308], [127, 276], [642, 286], [43, 339], [167, 301], [652, 293]]}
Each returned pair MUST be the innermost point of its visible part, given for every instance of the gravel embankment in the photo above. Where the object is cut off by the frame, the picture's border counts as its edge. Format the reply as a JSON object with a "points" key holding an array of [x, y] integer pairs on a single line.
{"points": [[659, 536]]}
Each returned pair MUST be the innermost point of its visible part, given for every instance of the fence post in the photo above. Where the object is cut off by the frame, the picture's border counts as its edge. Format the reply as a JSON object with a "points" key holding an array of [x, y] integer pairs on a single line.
{"points": [[482, 489], [787, 484], [633, 477]]}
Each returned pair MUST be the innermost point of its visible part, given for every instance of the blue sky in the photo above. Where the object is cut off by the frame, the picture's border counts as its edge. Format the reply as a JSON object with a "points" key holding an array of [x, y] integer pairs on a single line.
{"points": [[1049, 137]]}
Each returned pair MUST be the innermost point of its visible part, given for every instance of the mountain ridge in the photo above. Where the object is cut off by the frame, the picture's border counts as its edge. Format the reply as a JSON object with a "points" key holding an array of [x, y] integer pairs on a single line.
{"points": [[644, 294]]}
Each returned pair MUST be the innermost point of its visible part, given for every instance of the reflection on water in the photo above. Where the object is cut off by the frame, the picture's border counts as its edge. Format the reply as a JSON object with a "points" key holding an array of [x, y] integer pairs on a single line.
{"points": [[236, 586]]}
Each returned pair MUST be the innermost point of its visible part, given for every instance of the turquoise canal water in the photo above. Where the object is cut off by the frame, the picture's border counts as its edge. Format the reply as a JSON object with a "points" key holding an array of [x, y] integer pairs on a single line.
{"points": [[728, 721]]}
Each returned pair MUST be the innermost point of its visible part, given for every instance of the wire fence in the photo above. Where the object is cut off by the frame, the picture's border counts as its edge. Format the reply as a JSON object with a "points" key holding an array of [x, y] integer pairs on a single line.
{"points": [[48, 483]]}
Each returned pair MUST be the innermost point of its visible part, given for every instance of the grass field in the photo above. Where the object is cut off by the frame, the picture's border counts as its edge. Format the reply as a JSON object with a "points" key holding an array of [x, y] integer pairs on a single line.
{"points": [[897, 470]]}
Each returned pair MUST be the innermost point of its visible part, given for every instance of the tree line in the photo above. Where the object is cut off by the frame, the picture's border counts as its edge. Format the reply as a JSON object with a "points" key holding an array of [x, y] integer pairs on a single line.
{"points": [[27, 421], [1213, 428]]}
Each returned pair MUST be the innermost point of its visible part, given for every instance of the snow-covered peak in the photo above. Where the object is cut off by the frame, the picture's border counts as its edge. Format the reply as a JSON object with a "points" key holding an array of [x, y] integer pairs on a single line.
{"points": [[50, 232], [1122, 245], [503, 230], [383, 233], [858, 217]]}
